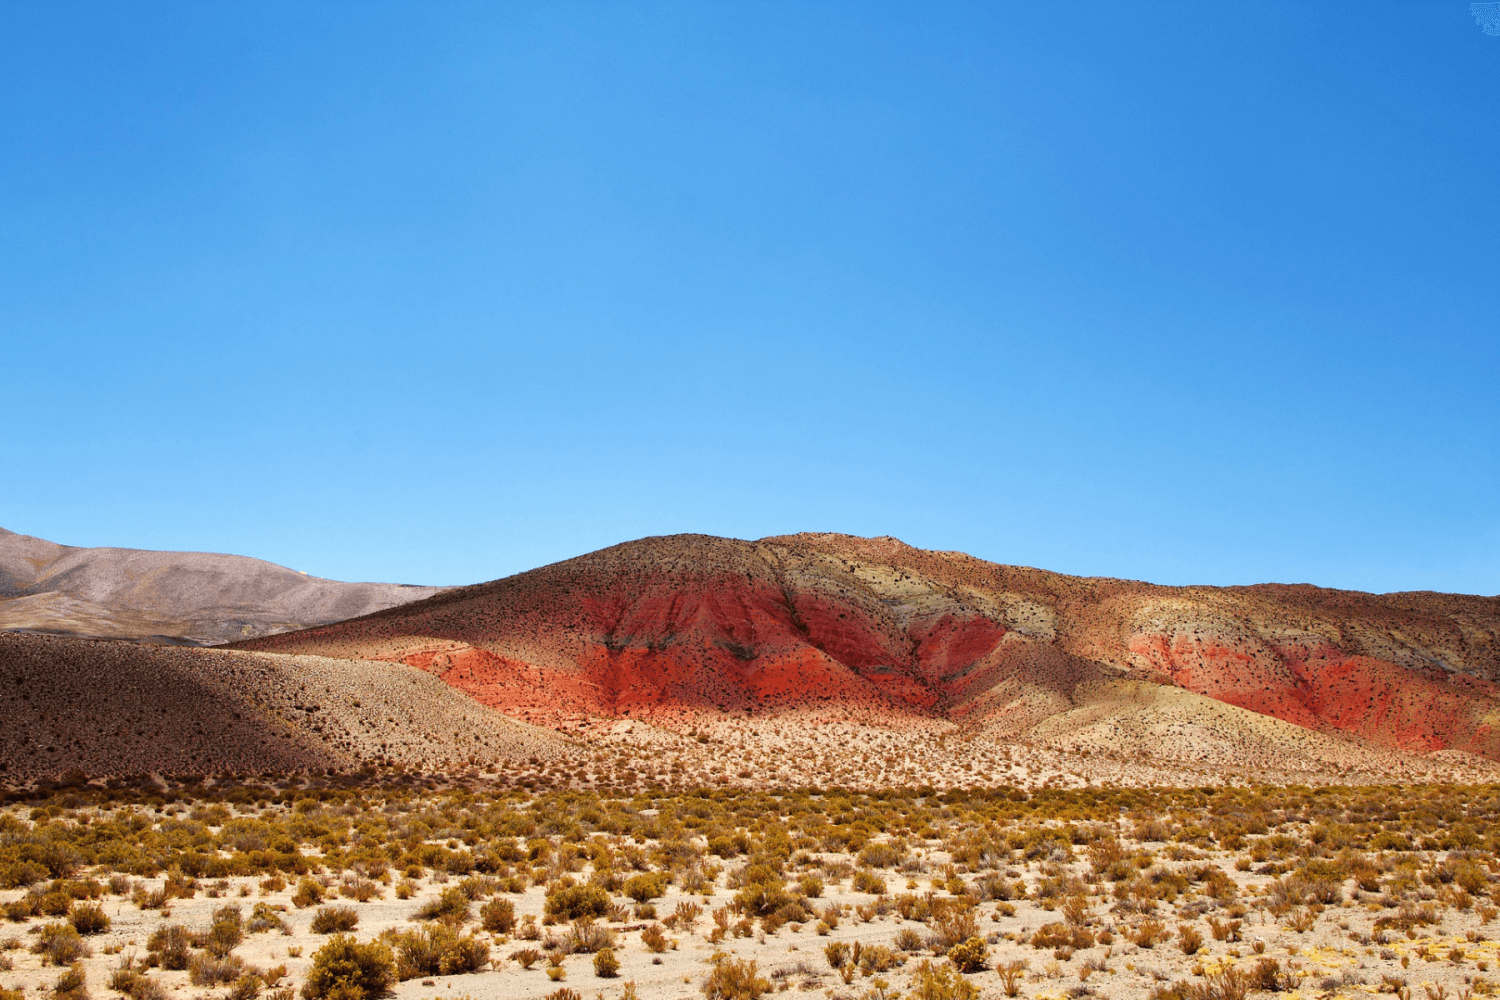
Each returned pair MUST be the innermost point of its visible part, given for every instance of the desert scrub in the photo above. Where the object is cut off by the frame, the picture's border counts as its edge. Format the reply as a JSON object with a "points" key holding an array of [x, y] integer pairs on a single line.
{"points": [[970, 955], [345, 969], [225, 933], [498, 916], [941, 982], [88, 918], [654, 938], [438, 950], [60, 944], [526, 957], [587, 937], [205, 969], [451, 906], [309, 893], [734, 979], [1011, 973], [335, 919], [134, 983], [644, 888], [71, 985], [264, 917], [171, 945], [569, 902], [606, 965]]}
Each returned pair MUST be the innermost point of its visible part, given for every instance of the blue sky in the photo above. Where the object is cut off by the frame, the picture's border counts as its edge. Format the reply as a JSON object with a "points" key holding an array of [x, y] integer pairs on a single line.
{"points": [[1194, 293]]}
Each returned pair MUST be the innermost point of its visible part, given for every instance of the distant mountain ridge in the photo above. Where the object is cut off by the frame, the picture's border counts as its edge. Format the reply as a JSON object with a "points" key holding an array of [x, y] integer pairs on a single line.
{"points": [[189, 597], [693, 624]]}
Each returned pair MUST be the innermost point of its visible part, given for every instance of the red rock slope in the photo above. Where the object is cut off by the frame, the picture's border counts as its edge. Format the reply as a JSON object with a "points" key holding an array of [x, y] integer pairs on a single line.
{"points": [[692, 623]]}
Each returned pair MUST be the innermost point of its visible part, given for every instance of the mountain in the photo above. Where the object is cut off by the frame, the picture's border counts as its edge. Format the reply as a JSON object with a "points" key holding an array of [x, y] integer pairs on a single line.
{"points": [[118, 708], [172, 597], [693, 626]]}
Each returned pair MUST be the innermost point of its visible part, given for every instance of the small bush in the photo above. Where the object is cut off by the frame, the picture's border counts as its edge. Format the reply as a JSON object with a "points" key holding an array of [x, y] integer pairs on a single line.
{"points": [[71, 985], [436, 951], [907, 939], [89, 918], [606, 965], [205, 969], [588, 937], [133, 982], [881, 855], [526, 957], [22, 874], [226, 932], [574, 901], [646, 887], [309, 893], [942, 982], [867, 881], [735, 979], [171, 946], [451, 907], [498, 916], [264, 918], [970, 955], [344, 969], [1147, 935], [654, 938], [60, 944], [335, 920], [878, 958], [1190, 939], [247, 987], [1010, 975]]}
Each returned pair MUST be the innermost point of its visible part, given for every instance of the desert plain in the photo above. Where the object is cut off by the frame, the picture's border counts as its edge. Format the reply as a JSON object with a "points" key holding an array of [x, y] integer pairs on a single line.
{"points": [[699, 767]]}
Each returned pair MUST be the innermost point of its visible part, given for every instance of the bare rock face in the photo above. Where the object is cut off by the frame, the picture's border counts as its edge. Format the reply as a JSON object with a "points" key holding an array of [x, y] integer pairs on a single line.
{"points": [[194, 598], [695, 625]]}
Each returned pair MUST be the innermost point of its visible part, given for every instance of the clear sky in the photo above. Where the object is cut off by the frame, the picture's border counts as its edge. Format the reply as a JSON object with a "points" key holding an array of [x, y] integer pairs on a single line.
{"points": [[438, 292]]}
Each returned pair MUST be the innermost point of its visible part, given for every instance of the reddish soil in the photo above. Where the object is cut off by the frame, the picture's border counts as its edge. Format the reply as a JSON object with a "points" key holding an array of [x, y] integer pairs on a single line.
{"points": [[694, 625]]}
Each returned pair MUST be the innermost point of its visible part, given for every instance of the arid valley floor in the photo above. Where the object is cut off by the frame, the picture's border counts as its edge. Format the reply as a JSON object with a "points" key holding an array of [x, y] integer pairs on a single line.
{"points": [[705, 767], [233, 888]]}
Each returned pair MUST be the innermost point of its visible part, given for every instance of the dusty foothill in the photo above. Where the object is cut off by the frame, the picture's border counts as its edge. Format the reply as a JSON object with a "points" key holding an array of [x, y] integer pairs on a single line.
{"points": [[349, 887]]}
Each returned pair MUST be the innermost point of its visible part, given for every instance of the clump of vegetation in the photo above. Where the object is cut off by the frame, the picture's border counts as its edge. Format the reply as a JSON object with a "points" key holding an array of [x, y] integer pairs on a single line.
{"points": [[734, 979], [71, 985], [171, 945], [646, 887], [498, 916], [569, 902], [941, 982], [335, 920], [206, 969], [437, 950], [89, 918], [60, 944], [452, 906], [309, 893], [969, 955], [345, 969]]}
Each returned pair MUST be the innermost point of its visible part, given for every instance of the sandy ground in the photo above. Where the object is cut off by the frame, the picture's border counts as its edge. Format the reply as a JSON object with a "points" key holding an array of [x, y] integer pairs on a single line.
{"points": [[1336, 956]]}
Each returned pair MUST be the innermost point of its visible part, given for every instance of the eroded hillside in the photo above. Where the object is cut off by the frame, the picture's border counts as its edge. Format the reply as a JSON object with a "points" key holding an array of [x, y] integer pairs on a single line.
{"points": [[691, 625]]}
